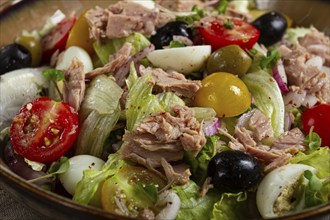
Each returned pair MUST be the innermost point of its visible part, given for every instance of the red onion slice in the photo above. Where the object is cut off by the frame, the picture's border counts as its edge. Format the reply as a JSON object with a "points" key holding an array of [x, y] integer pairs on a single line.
{"points": [[17, 164], [211, 127], [280, 76]]}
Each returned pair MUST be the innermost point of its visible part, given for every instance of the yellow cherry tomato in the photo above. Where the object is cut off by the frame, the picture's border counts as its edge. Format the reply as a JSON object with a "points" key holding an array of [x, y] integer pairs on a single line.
{"points": [[225, 93], [32, 44], [79, 35]]}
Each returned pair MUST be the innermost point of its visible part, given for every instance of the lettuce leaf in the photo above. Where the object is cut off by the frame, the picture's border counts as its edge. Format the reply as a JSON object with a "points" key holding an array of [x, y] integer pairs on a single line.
{"points": [[267, 97], [89, 184], [230, 206], [98, 115], [199, 164], [192, 206], [319, 159], [111, 46], [141, 102]]}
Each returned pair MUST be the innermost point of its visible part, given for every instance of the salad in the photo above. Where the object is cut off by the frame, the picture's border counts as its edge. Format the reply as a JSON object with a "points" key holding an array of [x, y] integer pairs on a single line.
{"points": [[171, 110]]}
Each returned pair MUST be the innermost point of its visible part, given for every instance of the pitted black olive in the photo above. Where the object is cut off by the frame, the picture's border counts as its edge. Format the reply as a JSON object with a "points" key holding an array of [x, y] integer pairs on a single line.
{"points": [[234, 170], [272, 27], [164, 35], [14, 56]]}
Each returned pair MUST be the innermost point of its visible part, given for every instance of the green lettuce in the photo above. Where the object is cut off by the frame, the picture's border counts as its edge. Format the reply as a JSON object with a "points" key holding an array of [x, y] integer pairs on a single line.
{"points": [[267, 97], [315, 189], [110, 46], [192, 206], [89, 184], [231, 206], [319, 159], [199, 164], [140, 100], [99, 113]]}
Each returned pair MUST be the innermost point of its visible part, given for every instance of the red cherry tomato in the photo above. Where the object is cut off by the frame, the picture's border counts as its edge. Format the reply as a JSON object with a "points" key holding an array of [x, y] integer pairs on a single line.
{"points": [[43, 130], [56, 38], [225, 31], [319, 117]]}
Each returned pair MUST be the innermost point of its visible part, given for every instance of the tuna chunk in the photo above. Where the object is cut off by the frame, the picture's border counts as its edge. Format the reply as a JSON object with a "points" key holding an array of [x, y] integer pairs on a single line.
{"points": [[305, 75], [124, 18], [318, 44], [172, 81], [291, 141], [115, 62], [180, 5], [74, 84], [163, 136]]}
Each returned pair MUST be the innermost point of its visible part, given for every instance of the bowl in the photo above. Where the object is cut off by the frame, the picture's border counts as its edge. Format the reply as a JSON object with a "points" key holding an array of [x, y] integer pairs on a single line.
{"points": [[31, 14]]}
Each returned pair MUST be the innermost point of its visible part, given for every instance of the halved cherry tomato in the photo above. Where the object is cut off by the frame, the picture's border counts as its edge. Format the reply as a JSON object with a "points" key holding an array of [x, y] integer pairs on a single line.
{"points": [[318, 117], [43, 130], [79, 35], [126, 187], [225, 93], [56, 38], [227, 31]]}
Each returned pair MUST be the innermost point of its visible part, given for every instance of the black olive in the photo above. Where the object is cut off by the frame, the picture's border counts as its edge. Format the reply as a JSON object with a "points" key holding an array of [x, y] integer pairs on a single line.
{"points": [[272, 27], [164, 35], [14, 56], [234, 170]]}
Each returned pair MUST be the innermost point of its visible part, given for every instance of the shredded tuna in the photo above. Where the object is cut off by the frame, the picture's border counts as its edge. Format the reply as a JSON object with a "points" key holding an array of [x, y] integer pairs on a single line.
{"points": [[178, 174], [317, 43], [260, 125], [124, 18], [180, 5], [303, 75], [233, 12], [291, 141], [205, 187], [273, 156], [163, 136], [172, 81], [115, 62], [278, 162], [74, 84]]}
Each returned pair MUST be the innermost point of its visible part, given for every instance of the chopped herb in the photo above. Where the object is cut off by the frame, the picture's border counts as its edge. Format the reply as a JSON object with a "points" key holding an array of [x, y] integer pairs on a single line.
{"points": [[175, 43], [253, 51], [313, 141], [54, 76], [271, 59], [228, 24], [222, 7], [199, 13]]}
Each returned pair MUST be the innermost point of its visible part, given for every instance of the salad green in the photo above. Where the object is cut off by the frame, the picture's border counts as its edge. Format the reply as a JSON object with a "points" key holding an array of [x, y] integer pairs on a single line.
{"points": [[154, 145]]}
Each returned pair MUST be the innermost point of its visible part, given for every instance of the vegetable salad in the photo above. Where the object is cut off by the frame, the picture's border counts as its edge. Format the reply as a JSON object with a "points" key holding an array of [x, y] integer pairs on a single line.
{"points": [[171, 110]]}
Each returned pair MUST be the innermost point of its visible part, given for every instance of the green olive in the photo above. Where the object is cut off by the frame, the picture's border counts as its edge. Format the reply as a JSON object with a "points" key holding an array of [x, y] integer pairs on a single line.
{"points": [[32, 44], [231, 59]]}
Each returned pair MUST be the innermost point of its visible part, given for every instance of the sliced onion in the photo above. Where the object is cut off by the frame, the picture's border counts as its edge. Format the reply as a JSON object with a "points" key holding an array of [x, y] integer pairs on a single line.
{"points": [[287, 121], [310, 100], [280, 76], [244, 119], [294, 99], [211, 127], [172, 205]]}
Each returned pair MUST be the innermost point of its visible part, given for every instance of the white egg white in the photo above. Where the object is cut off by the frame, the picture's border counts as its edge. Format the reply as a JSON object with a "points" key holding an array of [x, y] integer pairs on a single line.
{"points": [[271, 186], [74, 174], [182, 59], [65, 61]]}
